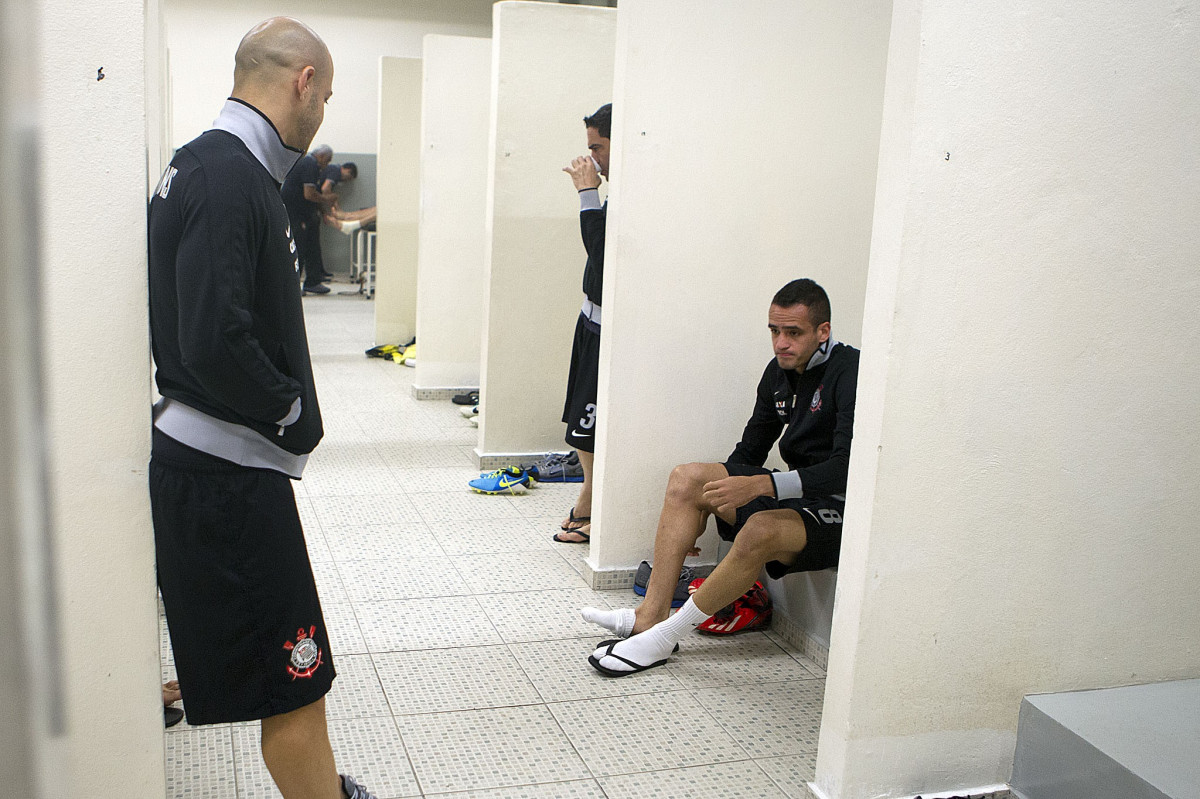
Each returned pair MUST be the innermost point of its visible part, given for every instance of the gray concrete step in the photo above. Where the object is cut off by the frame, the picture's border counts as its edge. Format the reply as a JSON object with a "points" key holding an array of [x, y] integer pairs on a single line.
{"points": [[1134, 742]]}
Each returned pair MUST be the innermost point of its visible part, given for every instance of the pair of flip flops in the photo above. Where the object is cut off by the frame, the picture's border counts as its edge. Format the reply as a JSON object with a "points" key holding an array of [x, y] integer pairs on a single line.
{"points": [[573, 519], [635, 667]]}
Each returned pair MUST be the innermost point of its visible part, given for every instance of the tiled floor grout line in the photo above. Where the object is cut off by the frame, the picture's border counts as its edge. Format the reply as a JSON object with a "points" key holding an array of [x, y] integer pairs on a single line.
{"points": [[399, 732], [782, 788], [558, 724]]}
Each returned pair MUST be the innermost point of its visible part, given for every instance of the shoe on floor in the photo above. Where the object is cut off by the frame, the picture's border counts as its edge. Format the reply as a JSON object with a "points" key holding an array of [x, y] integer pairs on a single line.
{"points": [[580, 531], [353, 790], [512, 471], [751, 611], [317, 289], [501, 481], [384, 351], [556, 468], [172, 716], [572, 520], [469, 398], [634, 668], [469, 412], [682, 592]]}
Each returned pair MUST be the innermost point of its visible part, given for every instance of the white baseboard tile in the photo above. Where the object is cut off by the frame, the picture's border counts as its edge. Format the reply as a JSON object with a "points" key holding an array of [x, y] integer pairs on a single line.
{"points": [[608, 579], [985, 792], [611, 579], [439, 393], [811, 647], [498, 460]]}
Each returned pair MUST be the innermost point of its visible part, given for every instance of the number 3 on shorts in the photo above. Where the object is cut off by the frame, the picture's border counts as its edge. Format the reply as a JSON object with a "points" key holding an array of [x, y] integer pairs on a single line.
{"points": [[588, 421], [830, 516]]}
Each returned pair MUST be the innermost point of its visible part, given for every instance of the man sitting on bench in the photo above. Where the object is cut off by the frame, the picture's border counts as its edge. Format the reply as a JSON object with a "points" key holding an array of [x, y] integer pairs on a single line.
{"points": [[787, 521]]}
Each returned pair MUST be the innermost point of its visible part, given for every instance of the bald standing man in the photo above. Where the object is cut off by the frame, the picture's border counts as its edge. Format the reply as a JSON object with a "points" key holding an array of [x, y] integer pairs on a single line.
{"points": [[239, 416]]}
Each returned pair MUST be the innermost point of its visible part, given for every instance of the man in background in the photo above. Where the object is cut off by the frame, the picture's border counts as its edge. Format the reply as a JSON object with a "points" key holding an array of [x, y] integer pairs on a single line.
{"points": [[579, 408], [305, 204], [333, 174]]}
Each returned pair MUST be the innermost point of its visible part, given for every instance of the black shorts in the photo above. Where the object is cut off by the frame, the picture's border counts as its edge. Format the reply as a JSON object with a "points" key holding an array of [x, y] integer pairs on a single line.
{"points": [[242, 608], [579, 410], [822, 525]]}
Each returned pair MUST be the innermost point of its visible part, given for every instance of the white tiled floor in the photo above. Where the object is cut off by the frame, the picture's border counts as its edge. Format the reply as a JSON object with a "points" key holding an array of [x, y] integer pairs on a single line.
{"points": [[454, 621]]}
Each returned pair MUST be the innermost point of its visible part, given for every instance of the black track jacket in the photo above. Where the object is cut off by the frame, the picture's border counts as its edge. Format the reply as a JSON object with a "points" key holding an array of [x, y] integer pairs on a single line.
{"points": [[226, 317], [817, 408]]}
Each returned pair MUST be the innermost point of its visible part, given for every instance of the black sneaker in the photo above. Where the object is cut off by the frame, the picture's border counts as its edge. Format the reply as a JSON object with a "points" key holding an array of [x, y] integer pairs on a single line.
{"points": [[470, 398], [642, 579], [317, 289]]}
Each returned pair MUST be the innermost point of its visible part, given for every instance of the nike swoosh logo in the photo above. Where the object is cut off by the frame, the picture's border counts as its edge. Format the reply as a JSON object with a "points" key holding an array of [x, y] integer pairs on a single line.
{"points": [[578, 435]]}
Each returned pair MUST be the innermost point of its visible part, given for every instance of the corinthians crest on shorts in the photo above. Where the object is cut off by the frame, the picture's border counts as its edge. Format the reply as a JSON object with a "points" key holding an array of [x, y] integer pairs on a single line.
{"points": [[306, 655]]}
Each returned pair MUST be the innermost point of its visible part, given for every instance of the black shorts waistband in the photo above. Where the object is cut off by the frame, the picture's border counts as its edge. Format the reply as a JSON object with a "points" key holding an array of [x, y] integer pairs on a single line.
{"points": [[166, 451]]}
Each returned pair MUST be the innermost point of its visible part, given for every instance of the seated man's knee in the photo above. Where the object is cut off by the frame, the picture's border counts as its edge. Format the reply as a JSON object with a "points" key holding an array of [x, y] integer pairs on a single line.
{"points": [[765, 537], [686, 482]]}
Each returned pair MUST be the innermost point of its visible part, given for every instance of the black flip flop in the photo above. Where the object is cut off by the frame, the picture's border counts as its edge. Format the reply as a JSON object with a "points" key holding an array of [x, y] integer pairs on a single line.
{"points": [[587, 537], [637, 667], [173, 715], [571, 519]]}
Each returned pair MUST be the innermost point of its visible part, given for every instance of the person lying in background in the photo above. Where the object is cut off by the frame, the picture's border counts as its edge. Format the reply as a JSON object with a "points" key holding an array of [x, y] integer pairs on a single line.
{"points": [[350, 221]]}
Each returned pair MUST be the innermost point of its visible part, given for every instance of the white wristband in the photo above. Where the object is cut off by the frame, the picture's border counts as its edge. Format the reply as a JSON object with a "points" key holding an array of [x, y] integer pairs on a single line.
{"points": [[589, 200], [787, 485]]}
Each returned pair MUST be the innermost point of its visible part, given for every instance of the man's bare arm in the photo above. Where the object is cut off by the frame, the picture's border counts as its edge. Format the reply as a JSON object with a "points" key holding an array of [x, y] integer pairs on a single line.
{"points": [[313, 196]]}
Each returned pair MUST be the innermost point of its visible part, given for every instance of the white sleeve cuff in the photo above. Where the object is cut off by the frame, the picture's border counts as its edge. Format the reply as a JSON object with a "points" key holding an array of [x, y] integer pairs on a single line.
{"points": [[589, 200], [787, 485], [292, 416]]}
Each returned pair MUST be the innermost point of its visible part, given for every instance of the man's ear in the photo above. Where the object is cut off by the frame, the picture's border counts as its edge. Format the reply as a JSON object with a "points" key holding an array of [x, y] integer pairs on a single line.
{"points": [[305, 80], [823, 332]]}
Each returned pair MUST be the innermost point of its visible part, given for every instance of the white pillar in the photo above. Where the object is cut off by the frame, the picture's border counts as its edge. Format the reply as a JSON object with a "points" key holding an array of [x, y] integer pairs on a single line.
{"points": [[1022, 508], [551, 66], [397, 194], [93, 68], [736, 169], [454, 167]]}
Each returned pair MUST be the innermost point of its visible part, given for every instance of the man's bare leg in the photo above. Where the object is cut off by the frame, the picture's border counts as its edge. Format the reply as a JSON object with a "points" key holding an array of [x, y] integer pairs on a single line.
{"points": [[682, 521], [684, 516], [296, 749], [583, 505], [768, 535], [349, 221]]}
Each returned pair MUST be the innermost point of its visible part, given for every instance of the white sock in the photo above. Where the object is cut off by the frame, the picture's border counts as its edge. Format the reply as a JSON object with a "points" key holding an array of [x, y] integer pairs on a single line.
{"points": [[654, 644], [619, 621], [350, 227]]}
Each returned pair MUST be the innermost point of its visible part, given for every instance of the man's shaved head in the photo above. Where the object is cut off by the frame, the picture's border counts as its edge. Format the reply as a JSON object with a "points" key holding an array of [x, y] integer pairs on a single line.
{"points": [[275, 50], [283, 69]]}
